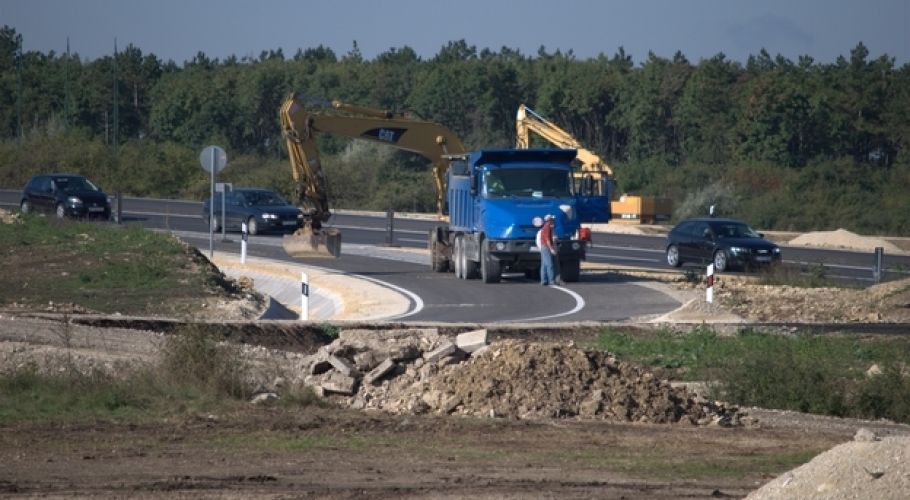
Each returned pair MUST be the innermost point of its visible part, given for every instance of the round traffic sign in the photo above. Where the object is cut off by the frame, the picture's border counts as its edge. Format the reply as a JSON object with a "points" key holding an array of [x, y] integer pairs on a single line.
{"points": [[213, 157]]}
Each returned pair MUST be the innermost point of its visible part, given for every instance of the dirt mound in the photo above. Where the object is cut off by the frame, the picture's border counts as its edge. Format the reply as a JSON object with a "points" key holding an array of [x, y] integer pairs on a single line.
{"points": [[414, 372], [863, 468], [521, 380], [842, 238]]}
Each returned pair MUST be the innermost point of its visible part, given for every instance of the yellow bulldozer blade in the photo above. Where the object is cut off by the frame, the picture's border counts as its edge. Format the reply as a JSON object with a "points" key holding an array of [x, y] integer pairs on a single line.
{"points": [[307, 243]]}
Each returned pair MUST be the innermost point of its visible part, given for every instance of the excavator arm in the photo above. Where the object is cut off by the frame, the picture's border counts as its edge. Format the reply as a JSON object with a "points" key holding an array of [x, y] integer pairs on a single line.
{"points": [[527, 121], [301, 125]]}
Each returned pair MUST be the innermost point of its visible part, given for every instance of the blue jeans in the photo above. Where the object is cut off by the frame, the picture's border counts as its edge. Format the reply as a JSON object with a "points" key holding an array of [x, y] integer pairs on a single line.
{"points": [[547, 272]]}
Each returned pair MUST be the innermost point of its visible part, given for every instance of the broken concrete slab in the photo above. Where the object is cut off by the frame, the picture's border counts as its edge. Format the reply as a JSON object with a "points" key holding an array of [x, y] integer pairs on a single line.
{"points": [[472, 341], [380, 371], [343, 366], [446, 349], [340, 384]]}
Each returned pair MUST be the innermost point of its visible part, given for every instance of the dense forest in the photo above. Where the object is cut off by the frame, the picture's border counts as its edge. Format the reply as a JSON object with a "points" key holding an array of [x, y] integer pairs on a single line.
{"points": [[790, 145]]}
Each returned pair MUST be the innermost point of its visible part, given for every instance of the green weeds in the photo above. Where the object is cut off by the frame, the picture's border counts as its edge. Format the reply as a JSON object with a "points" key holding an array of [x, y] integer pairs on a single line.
{"points": [[804, 372]]}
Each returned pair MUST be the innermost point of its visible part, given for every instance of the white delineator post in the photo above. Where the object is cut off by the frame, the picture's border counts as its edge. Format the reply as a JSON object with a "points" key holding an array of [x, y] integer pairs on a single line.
{"points": [[709, 292], [304, 297], [243, 236]]}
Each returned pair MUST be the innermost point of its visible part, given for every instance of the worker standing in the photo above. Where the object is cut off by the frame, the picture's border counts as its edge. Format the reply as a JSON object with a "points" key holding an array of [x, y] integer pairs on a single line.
{"points": [[547, 251]]}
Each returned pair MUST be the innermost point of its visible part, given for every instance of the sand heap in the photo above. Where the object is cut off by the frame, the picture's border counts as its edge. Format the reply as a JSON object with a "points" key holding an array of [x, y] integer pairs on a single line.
{"points": [[842, 238], [867, 467]]}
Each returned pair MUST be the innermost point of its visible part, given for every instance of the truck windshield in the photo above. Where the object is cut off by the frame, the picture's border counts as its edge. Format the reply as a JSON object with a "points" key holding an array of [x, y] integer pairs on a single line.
{"points": [[526, 182]]}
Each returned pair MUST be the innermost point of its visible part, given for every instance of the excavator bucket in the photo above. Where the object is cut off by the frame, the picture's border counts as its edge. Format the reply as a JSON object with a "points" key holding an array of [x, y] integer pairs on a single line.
{"points": [[307, 243]]}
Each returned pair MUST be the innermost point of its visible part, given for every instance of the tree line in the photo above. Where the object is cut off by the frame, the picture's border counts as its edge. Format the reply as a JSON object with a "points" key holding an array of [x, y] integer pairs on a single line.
{"points": [[783, 144]]}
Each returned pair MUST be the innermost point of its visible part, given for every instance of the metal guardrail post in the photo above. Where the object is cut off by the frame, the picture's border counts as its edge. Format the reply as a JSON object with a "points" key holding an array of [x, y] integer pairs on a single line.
{"points": [[390, 228], [877, 270]]}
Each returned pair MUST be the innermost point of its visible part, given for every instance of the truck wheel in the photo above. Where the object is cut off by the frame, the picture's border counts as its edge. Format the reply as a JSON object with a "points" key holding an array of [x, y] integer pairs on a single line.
{"points": [[569, 270], [490, 270], [471, 268], [458, 258], [438, 262]]}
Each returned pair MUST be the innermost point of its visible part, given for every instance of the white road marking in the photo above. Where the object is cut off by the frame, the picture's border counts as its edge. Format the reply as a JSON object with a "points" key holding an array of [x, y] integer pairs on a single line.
{"points": [[579, 305]]}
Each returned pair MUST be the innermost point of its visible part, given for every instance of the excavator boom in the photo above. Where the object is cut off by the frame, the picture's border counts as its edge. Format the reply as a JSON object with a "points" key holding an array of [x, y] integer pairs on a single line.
{"points": [[301, 125]]}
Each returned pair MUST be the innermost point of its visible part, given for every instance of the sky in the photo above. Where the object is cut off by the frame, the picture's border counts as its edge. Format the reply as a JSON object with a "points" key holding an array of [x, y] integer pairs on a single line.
{"points": [[177, 30]]}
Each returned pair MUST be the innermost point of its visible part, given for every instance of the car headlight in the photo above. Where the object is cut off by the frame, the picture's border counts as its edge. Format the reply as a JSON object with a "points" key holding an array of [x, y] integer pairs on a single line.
{"points": [[739, 250], [74, 200], [500, 246], [299, 216], [269, 216], [576, 245], [776, 250]]}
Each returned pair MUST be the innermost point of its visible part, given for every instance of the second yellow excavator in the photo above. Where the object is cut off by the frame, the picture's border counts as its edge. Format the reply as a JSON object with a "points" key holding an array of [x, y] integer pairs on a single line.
{"points": [[301, 123], [594, 176]]}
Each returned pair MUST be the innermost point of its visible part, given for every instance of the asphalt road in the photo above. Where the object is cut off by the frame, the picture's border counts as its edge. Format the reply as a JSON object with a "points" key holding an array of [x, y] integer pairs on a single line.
{"points": [[440, 297]]}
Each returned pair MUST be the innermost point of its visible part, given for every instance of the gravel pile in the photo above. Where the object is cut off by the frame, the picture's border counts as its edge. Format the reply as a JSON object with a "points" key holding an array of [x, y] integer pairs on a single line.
{"points": [[867, 467]]}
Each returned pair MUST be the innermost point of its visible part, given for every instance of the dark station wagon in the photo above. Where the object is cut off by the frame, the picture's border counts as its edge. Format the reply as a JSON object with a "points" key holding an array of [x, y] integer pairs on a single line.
{"points": [[727, 243], [262, 210], [66, 195]]}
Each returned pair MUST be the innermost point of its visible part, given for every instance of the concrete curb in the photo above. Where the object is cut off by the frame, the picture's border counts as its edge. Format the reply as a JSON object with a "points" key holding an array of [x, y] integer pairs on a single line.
{"points": [[334, 295]]}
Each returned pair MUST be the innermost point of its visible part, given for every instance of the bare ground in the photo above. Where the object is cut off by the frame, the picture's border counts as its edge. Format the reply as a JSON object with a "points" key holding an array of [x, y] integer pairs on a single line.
{"points": [[337, 452]]}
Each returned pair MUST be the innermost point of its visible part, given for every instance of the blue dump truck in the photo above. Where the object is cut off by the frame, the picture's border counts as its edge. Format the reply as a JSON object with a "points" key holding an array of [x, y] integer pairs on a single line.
{"points": [[496, 200]]}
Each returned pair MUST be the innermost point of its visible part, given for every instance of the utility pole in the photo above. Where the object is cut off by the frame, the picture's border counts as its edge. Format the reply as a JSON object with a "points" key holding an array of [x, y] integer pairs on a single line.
{"points": [[67, 100], [19, 89], [116, 119]]}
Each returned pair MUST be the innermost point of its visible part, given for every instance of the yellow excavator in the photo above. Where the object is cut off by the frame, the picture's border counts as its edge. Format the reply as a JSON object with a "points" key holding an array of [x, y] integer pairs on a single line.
{"points": [[594, 176], [302, 119]]}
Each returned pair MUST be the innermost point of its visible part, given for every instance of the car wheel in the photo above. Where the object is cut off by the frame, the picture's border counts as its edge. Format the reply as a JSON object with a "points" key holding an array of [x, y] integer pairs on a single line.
{"points": [[25, 207], [216, 224], [673, 256], [252, 226], [61, 211], [720, 261]]}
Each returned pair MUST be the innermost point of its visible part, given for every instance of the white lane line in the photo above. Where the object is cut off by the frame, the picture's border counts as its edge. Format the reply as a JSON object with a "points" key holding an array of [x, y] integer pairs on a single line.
{"points": [[631, 249], [418, 302], [579, 305], [621, 257], [378, 229]]}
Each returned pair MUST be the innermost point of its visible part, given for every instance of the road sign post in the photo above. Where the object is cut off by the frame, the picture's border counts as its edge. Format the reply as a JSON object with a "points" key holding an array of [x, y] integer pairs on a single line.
{"points": [[213, 160], [223, 188]]}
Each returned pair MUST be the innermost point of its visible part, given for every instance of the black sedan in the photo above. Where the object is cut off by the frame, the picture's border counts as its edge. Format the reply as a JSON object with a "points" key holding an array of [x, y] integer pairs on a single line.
{"points": [[728, 243], [261, 210], [66, 195]]}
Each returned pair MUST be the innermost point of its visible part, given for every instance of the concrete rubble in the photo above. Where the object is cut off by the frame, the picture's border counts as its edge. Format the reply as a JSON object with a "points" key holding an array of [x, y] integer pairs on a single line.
{"points": [[417, 371]]}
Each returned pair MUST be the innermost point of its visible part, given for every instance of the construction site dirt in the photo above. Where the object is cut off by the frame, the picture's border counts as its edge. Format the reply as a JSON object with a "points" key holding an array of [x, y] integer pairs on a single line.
{"points": [[399, 445]]}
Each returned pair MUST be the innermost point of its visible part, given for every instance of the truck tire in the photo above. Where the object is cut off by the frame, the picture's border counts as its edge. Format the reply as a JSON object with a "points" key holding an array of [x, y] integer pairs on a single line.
{"points": [[569, 270], [471, 268], [458, 257], [438, 261], [490, 270]]}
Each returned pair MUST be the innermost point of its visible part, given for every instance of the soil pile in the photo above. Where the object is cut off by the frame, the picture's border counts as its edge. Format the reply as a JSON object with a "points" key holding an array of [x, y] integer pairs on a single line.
{"points": [[888, 302], [842, 238], [405, 373], [864, 468]]}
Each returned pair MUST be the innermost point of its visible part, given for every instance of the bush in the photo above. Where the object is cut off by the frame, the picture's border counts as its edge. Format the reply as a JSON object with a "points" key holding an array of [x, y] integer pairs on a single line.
{"points": [[193, 357]]}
